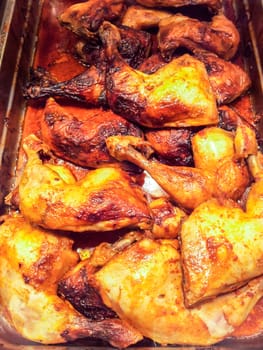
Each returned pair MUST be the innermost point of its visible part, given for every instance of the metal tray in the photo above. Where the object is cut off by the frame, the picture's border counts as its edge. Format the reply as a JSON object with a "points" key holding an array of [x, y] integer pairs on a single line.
{"points": [[19, 23]]}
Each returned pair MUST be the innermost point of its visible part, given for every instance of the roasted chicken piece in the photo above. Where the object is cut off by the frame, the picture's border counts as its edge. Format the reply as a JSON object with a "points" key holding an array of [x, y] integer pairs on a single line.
{"points": [[143, 285], [140, 17], [84, 18], [77, 285], [134, 47], [172, 146], [219, 36], [167, 218], [213, 4], [215, 150], [227, 250], [178, 94], [32, 261], [80, 137], [103, 200], [228, 80], [223, 175], [88, 87]]}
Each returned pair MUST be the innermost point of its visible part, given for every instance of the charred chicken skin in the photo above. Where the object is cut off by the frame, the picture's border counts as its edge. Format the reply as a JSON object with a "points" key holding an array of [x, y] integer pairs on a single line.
{"points": [[84, 18], [105, 199], [178, 94], [32, 261], [88, 87], [219, 36], [80, 138]]}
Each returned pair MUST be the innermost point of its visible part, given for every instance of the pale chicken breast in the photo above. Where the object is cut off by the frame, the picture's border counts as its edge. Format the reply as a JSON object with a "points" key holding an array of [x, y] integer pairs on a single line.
{"points": [[143, 285]]}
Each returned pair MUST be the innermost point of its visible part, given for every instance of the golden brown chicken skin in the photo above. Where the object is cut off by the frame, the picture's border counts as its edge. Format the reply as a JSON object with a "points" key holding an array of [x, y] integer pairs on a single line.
{"points": [[140, 17], [143, 285], [178, 94], [80, 137], [219, 36], [105, 199], [190, 186], [228, 80], [227, 250], [84, 18], [32, 261]]}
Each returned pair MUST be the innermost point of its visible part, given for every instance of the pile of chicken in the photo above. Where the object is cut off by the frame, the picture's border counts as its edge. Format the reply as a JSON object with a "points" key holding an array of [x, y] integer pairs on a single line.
{"points": [[172, 170]]}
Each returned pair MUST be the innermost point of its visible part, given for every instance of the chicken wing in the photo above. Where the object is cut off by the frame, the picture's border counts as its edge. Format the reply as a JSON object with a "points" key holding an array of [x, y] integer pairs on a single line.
{"points": [[219, 36], [143, 285], [188, 186], [80, 138], [178, 94], [105, 199], [213, 4], [84, 18], [32, 261]]}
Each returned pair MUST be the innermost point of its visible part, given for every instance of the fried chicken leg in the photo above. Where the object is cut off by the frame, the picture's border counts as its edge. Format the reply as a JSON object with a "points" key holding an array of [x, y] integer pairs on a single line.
{"points": [[31, 263], [143, 285], [80, 137], [88, 87], [219, 36], [178, 94], [105, 199], [188, 186]]}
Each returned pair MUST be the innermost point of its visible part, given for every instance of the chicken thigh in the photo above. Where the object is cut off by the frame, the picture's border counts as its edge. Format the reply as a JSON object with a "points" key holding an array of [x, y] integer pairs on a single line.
{"points": [[32, 261], [228, 250], [143, 285], [219, 36], [105, 199], [80, 137], [178, 94]]}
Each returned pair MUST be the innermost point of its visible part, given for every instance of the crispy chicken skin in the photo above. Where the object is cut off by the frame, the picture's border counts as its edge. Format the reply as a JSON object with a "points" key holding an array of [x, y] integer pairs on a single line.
{"points": [[213, 4], [173, 146], [84, 18], [190, 186], [80, 137], [32, 261], [87, 87], [167, 218], [140, 17], [178, 94], [228, 250], [147, 292], [104, 199], [228, 80], [219, 36]]}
